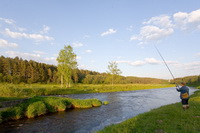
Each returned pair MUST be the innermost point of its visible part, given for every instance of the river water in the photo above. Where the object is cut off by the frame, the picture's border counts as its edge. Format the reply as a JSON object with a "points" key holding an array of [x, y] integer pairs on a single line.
{"points": [[123, 105]]}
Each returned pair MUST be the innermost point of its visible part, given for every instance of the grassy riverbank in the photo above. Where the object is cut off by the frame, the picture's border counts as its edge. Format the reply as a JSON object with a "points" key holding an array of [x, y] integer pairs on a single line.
{"points": [[38, 106], [30, 90], [167, 119]]}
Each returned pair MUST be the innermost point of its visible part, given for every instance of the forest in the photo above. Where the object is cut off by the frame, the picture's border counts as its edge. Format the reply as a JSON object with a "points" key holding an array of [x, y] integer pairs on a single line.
{"points": [[16, 70]]}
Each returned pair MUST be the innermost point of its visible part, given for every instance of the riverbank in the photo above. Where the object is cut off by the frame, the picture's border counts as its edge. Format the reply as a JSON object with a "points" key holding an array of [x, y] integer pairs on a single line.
{"points": [[38, 106], [30, 90], [169, 118]]}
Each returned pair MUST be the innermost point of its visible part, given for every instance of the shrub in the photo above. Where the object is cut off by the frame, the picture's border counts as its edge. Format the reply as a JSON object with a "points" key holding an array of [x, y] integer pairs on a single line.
{"points": [[36, 109]]}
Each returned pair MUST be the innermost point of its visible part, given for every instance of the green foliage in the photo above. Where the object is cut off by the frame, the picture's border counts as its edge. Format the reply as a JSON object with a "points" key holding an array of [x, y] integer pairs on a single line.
{"points": [[66, 65], [113, 72], [37, 106], [189, 80], [170, 118], [12, 113], [36, 109], [54, 105]]}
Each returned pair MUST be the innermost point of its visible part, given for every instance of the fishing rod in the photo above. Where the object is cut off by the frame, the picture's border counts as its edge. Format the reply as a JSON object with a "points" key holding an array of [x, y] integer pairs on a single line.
{"points": [[165, 63]]}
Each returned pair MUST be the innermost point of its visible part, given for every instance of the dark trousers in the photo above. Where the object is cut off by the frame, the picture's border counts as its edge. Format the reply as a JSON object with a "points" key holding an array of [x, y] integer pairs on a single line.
{"points": [[184, 101]]}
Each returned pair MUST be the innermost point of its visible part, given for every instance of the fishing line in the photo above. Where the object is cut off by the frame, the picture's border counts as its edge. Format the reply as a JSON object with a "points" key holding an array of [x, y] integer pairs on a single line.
{"points": [[165, 63]]}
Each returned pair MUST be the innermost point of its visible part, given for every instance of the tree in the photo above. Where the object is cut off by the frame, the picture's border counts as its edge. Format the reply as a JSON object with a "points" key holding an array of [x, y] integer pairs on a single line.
{"points": [[66, 65], [113, 71]]}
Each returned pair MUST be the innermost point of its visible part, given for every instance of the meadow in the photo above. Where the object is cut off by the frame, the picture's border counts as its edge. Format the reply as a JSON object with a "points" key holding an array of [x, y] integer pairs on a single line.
{"points": [[166, 119], [30, 90]]}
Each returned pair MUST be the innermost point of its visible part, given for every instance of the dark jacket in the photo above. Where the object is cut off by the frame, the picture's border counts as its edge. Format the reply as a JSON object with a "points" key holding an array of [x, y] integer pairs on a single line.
{"points": [[182, 90]]}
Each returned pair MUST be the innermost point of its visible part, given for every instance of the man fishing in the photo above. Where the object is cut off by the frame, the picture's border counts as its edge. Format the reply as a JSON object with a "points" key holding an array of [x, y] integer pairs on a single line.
{"points": [[184, 95]]}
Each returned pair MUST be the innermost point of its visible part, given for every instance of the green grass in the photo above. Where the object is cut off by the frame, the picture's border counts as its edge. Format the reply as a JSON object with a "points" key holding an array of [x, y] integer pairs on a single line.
{"points": [[167, 119], [30, 90], [38, 106], [8, 98]]}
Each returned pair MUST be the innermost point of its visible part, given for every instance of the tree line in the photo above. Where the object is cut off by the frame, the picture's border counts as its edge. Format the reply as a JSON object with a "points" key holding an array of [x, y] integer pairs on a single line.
{"points": [[189, 80], [16, 70]]}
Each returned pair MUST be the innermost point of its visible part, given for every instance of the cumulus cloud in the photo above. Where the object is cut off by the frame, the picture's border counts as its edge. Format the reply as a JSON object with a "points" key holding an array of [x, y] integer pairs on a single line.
{"points": [[108, 32], [152, 33], [160, 27], [187, 21], [5, 44], [37, 37], [161, 21]]}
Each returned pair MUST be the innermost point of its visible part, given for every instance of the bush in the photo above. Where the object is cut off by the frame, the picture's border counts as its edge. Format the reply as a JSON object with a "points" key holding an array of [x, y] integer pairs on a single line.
{"points": [[36, 109]]}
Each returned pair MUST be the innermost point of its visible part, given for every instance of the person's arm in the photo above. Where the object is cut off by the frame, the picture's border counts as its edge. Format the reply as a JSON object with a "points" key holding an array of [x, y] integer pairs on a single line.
{"points": [[179, 89]]}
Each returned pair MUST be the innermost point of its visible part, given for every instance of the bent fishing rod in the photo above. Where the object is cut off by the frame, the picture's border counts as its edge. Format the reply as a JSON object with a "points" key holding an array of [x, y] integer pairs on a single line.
{"points": [[165, 64]]}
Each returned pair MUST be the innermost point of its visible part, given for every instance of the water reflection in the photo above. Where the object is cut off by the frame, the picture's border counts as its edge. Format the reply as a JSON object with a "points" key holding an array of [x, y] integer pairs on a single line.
{"points": [[123, 105]]}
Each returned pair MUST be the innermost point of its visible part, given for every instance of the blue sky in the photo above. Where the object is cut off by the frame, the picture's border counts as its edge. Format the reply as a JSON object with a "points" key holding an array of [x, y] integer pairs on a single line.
{"points": [[102, 31]]}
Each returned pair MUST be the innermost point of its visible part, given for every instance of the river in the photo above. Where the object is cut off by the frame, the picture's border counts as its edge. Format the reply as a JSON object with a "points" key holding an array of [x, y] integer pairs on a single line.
{"points": [[122, 105]]}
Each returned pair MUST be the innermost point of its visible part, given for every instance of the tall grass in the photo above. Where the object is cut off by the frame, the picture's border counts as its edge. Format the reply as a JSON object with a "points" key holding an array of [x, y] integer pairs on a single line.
{"points": [[30, 90], [38, 106]]}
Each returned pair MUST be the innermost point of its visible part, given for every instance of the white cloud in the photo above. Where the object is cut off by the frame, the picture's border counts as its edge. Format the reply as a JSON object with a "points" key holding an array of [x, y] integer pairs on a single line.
{"points": [[187, 21], [77, 45], [192, 66], [88, 51], [152, 61], [7, 21], [30, 56], [23, 55], [160, 27], [108, 32], [152, 33], [45, 29], [160, 21], [5, 43], [39, 52], [134, 63], [198, 54], [148, 61], [36, 37]]}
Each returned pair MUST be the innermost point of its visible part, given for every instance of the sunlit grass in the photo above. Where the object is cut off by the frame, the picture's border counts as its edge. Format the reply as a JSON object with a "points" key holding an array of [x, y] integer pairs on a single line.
{"points": [[38, 106], [167, 119], [30, 90]]}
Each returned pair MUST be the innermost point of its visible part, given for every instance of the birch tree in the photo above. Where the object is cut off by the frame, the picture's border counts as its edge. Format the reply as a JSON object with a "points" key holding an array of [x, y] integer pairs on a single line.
{"points": [[66, 65], [113, 71]]}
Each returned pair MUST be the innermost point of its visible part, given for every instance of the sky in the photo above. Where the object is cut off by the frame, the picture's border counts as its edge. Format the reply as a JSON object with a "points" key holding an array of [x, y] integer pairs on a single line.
{"points": [[103, 31]]}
